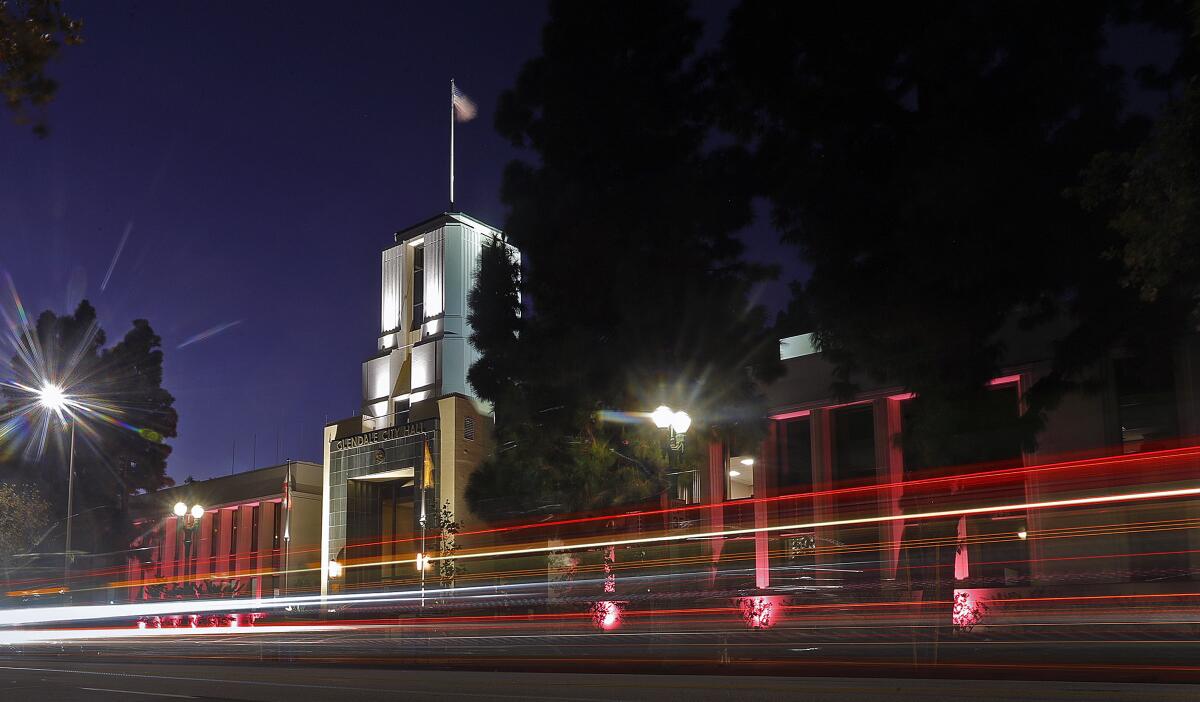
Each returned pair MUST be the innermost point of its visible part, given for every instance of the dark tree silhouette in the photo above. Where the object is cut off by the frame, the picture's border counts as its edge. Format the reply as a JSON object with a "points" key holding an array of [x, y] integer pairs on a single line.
{"points": [[627, 220], [920, 158], [495, 318], [31, 34], [1150, 195]]}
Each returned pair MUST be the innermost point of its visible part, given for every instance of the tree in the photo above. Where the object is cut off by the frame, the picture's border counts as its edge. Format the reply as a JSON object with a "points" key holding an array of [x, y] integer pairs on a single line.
{"points": [[124, 416], [31, 34], [632, 268], [495, 319], [1150, 196], [918, 158], [24, 518]]}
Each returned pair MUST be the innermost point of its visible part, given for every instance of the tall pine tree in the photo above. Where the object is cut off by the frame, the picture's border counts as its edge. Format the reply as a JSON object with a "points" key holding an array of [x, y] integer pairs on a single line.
{"points": [[638, 295]]}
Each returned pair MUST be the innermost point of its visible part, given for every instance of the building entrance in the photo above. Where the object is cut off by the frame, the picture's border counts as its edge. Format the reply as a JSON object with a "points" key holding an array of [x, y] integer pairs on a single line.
{"points": [[379, 526]]}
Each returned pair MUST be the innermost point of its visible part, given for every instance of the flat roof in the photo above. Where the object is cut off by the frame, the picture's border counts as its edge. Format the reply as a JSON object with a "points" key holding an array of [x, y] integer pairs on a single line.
{"points": [[226, 489], [420, 228]]}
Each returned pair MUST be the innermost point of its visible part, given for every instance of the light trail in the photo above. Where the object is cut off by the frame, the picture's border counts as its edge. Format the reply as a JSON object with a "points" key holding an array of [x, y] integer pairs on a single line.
{"points": [[1067, 532], [1181, 454], [1176, 454], [16, 637], [208, 333], [1023, 506]]}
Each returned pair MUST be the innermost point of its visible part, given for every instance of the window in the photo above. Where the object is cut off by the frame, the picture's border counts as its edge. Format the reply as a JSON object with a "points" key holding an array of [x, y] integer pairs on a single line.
{"points": [[992, 440], [418, 287], [277, 520], [999, 556], [1146, 404], [739, 475], [684, 487], [795, 455], [853, 443], [469, 428], [254, 516], [235, 518], [214, 540]]}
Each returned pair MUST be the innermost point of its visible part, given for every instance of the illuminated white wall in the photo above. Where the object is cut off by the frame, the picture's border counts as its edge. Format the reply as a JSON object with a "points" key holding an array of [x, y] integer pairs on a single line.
{"points": [[393, 297], [436, 347], [424, 365], [375, 378]]}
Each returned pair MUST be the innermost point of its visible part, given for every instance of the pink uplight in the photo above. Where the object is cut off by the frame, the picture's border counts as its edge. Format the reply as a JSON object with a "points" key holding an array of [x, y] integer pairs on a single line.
{"points": [[759, 612], [606, 615]]}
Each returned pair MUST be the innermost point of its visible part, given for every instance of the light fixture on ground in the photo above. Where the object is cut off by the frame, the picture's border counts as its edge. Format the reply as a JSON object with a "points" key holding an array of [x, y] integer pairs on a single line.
{"points": [[54, 399]]}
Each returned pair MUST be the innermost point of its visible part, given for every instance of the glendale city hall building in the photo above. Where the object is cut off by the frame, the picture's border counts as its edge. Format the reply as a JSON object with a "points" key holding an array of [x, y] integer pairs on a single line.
{"points": [[389, 471]]}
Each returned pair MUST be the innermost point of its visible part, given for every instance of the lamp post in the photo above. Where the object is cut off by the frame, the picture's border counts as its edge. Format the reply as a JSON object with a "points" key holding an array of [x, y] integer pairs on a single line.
{"points": [[676, 423], [52, 398], [191, 518]]}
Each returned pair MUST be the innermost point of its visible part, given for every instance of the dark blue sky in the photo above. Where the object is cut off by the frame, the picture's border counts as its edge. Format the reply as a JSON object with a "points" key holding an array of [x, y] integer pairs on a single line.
{"points": [[261, 155]]}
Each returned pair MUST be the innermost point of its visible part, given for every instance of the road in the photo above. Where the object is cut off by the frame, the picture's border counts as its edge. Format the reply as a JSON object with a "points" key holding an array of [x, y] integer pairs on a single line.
{"points": [[55, 680]]}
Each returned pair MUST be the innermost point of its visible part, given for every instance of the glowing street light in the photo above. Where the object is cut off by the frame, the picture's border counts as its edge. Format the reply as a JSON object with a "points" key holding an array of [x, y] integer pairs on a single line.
{"points": [[52, 397], [189, 519], [680, 422], [335, 569], [675, 422]]}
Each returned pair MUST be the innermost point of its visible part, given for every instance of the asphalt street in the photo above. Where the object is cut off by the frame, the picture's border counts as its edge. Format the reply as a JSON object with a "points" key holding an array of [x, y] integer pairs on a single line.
{"points": [[44, 680]]}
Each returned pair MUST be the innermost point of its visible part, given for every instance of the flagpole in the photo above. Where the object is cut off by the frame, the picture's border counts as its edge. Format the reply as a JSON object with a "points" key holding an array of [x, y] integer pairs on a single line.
{"points": [[451, 144], [422, 559]]}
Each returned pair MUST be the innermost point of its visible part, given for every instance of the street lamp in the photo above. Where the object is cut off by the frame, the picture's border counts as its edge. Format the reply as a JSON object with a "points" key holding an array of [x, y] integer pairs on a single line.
{"points": [[54, 399], [191, 517], [675, 422]]}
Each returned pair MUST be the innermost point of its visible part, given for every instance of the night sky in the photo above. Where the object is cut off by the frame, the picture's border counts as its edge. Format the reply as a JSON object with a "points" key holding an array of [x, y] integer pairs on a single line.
{"points": [[260, 155]]}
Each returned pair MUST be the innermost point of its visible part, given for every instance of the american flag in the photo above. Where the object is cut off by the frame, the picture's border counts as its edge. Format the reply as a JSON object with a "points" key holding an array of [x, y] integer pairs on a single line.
{"points": [[464, 108]]}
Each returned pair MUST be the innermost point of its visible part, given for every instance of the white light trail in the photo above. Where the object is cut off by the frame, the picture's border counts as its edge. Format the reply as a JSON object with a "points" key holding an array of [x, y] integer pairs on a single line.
{"points": [[1045, 504], [209, 333], [117, 255]]}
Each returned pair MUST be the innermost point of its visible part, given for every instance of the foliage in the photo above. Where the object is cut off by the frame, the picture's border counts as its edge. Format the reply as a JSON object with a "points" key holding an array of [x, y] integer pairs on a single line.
{"points": [[919, 158], [540, 472], [1150, 196], [120, 441], [633, 278], [24, 518], [495, 318], [448, 567], [31, 34]]}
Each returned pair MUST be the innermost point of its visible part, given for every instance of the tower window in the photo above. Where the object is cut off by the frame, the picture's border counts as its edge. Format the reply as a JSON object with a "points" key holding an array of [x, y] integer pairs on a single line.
{"points": [[418, 287], [469, 428]]}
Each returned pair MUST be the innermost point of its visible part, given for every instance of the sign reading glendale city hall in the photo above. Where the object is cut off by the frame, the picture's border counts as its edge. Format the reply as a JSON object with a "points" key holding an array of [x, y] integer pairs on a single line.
{"points": [[378, 435]]}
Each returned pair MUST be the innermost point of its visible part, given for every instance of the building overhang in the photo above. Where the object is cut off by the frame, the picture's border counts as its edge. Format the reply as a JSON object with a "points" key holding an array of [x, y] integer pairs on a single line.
{"points": [[396, 474]]}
